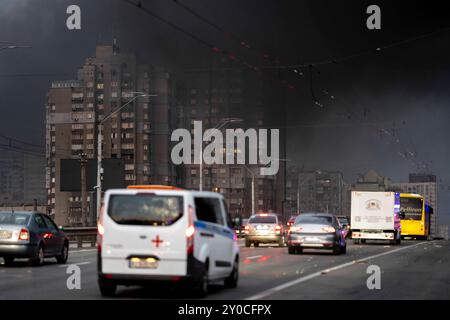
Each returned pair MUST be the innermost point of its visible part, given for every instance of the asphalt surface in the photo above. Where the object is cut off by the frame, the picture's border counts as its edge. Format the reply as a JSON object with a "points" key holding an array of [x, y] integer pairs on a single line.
{"points": [[414, 270]]}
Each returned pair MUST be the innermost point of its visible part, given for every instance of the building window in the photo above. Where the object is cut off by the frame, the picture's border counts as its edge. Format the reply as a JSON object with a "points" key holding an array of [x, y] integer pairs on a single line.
{"points": [[128, 146], [77, 127]]}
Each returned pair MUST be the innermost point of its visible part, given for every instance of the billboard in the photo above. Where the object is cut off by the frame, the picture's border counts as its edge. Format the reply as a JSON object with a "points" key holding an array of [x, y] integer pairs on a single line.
{"points": [[70, 173]]}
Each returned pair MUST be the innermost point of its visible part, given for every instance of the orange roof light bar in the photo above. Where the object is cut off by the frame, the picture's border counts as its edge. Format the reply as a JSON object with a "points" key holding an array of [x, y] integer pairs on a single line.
{"points": [[153, 187]]}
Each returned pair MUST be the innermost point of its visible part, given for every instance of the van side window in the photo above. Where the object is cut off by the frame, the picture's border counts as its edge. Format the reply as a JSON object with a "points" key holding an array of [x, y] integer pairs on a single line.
{"points": [[227, 215], [209, 210]]}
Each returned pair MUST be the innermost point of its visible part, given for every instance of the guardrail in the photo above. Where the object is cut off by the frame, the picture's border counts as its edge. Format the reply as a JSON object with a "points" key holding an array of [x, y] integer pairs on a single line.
{"points": [[80, 235]]}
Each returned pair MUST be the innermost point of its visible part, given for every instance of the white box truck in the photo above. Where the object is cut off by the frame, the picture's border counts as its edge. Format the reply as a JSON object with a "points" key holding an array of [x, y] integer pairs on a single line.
{"points": [[375, 216]]}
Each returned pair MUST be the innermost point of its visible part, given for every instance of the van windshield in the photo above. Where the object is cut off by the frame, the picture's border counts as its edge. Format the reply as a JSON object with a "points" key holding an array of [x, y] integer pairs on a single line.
{"points": [[152, 210]]}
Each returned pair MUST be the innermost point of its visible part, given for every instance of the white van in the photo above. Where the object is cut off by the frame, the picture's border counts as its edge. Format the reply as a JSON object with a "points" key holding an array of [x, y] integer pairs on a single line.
{"points": [[148, 233]]}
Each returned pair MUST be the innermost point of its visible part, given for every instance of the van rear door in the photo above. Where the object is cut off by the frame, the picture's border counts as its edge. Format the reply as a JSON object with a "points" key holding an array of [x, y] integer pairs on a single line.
{"points": [[144, 233]]}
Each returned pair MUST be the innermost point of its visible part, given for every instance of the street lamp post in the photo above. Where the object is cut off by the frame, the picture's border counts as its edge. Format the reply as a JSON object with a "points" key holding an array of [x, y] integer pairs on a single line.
{"points": [[99, 147], [253, 188], [220, 125]]}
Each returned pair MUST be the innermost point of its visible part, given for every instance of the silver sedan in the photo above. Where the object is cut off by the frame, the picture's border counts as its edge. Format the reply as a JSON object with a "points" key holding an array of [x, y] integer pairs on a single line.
{"points": [[316, 231]]}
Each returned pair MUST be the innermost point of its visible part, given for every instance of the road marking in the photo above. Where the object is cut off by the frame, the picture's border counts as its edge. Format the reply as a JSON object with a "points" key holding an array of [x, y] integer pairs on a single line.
{"points": [[286, 285], [82, 250], [253, 257], [77, 264]]}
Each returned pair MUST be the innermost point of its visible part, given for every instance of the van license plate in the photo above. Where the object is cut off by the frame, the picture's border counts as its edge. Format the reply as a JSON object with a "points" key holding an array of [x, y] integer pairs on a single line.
{"points": [[142, 263]]}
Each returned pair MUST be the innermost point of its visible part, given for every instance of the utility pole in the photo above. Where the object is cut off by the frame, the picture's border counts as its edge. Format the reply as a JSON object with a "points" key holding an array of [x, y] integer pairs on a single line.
{"points": [[98, 187], [83, 162], [222, 123], [253, 188], [298, 194]]}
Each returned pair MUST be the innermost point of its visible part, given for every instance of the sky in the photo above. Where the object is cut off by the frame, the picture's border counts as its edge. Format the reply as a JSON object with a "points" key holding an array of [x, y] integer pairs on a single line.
{"points": [[375, 106]]}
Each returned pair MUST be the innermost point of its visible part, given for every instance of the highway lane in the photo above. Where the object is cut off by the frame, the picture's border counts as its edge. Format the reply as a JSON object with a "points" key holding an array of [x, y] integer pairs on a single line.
{"points": [[421, 272], [262, 269]]}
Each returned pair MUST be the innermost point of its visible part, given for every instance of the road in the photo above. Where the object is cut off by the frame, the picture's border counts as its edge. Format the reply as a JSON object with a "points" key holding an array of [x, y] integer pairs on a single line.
{"points": [[415, 270]]}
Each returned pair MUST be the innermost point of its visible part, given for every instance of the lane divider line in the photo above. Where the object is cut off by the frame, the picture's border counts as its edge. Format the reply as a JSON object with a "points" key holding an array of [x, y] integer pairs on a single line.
{"points": [[81, 250], [286, 285], [253, 257], [76, 264]]}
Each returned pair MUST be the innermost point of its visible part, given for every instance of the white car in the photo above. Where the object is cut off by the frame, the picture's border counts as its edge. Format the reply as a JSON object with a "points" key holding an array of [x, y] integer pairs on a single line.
{"points": [[162, 233]]}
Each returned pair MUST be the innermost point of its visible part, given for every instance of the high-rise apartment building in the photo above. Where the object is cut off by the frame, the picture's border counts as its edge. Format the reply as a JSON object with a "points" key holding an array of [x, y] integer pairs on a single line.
{"points": [[213, 95], [314, 191], [22, 178], [75, 109]]}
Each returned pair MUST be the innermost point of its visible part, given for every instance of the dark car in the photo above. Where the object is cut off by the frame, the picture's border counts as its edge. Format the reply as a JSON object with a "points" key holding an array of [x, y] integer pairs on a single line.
{"points": [[345, 222], [291, 221], [265, 228], [316, 231], [240, 228], [31, 235]]}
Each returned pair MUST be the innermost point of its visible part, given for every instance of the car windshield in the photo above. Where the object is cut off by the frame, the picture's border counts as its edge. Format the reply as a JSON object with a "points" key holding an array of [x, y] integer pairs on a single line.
{"points": [[343, 220], [263, 219], [314, 220], [20, 219], [151, 210]]}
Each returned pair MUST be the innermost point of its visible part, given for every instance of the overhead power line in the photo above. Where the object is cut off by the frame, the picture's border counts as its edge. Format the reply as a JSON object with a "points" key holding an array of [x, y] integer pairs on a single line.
{"points": [[338, 60], [216, 49]]}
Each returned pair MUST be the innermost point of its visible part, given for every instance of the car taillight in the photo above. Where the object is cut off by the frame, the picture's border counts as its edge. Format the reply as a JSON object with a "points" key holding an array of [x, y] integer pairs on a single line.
{"points": [[24, 235], [329, 229], [277, 229], [190, 231]]}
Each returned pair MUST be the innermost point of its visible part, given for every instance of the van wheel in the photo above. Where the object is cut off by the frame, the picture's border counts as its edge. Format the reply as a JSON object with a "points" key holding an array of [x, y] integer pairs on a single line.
{"points": [[299, 250], [232, 280], [107, 289], [201, 287], [8, 261], [256, 244], [247, 244], [356, 241], [38, 260]]}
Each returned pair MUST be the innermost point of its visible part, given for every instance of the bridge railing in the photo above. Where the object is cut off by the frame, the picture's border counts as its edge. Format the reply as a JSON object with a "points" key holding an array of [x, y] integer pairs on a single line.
{"points": [[81, 235]]}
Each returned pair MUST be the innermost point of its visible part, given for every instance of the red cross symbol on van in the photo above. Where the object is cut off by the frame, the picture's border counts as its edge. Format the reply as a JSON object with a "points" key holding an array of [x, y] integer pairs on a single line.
{"points": [[157, 241]]}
